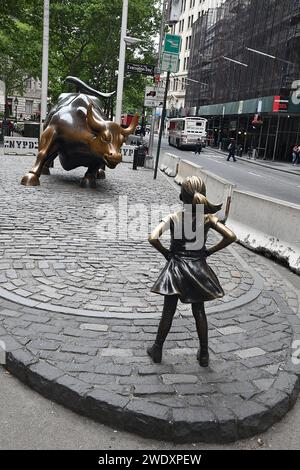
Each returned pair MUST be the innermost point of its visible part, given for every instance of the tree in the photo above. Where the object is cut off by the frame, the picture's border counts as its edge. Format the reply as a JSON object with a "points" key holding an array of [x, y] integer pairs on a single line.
{"points": [[85, 38], [84, 41], [20, 42]]}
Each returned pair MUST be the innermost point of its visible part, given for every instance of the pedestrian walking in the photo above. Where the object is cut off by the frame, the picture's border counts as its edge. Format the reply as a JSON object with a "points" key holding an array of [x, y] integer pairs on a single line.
{"points": [[296, 154], [198, 148], [240, 151], [232, 150], [187, 276], [5, 127]]}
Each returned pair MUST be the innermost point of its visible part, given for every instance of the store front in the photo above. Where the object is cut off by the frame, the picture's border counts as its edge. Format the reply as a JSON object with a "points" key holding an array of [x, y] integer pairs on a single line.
{"points": [[271, 125]]}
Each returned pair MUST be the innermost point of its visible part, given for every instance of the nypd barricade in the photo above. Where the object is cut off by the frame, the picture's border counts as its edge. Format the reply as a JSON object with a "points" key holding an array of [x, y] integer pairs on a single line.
{"points": [[21, 145], [128, 153]]}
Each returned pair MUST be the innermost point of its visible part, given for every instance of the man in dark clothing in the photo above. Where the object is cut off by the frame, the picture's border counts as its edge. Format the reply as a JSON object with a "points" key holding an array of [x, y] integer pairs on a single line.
{"points": [[5, 127], [232, 150], [198, 148]]}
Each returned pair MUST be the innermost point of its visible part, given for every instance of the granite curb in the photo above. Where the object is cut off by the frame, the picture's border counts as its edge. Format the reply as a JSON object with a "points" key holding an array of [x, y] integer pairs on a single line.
{"points": [[141, 417]]}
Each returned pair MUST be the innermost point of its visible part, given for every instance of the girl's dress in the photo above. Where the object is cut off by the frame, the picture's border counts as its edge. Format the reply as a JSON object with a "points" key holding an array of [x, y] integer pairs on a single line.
{"points": [[187, 274]]}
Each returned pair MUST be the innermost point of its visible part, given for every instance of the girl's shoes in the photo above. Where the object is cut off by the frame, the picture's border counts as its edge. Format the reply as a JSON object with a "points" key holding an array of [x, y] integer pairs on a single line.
{"points": [[203, 357], [155, 352]]}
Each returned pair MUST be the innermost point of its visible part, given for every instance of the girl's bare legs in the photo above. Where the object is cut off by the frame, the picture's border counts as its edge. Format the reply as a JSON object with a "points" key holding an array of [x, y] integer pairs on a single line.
{"points": [[170, 305], [202, 330]]}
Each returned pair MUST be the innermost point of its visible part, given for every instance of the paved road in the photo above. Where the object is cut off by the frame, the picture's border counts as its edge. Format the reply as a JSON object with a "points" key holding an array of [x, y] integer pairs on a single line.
{"points": [[245, 175]]}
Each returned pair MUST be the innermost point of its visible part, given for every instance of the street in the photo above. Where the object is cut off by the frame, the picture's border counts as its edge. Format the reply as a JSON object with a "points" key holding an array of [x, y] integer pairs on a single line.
{"points": [[246, 175]]}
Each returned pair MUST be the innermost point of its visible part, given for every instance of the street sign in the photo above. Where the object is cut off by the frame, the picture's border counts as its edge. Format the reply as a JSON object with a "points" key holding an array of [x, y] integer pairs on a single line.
{"points": [[172, 44], [169, 62], [154, 97], [142, 69]]}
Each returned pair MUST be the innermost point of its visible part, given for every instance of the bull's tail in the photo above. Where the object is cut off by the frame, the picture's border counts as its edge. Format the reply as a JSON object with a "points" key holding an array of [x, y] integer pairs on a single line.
{"points": [[83, 87]]}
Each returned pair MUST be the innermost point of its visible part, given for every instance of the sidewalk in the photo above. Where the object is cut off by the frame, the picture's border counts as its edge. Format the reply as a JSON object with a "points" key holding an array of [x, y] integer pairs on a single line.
{"points": [[76, 315], [280, 166]]}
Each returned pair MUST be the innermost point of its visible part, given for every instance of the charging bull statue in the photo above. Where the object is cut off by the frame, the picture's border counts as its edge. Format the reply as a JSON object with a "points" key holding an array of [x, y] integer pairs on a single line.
{"points": [[76, 131]]}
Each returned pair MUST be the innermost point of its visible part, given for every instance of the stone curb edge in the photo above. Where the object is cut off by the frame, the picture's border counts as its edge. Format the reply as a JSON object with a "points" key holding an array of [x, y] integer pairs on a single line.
{"points": [[142, 417]]}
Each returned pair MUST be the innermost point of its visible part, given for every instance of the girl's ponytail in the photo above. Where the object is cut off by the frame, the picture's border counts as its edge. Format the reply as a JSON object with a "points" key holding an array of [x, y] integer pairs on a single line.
{"points": [[193, 191], [209, 208]]}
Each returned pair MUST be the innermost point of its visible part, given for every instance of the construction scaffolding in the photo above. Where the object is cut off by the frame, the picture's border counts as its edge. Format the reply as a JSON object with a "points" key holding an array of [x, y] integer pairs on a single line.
{"points": [[270, 26]]}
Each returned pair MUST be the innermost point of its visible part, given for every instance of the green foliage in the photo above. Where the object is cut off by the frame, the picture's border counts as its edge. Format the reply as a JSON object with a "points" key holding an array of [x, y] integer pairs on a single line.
{"points": [[84, 42], [20, 42]]}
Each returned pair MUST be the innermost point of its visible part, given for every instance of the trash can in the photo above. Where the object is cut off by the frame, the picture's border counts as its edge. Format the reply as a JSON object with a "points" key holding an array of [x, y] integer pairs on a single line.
{"points": [[139, 156], [32, 129]]}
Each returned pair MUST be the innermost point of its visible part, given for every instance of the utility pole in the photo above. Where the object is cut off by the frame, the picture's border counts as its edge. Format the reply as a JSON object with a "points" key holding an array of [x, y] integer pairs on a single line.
{"points": [[121, 62], [276, 138], [45, 65], [162, 124], [161, 40]]}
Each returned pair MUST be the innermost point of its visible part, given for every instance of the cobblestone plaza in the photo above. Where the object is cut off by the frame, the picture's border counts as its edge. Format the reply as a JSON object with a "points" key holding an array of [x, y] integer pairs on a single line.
{"points": [[76, 315]]}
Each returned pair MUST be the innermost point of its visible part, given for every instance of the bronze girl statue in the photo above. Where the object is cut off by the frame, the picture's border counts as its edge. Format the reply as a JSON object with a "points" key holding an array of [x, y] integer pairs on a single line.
{"points": [[186, 275]]}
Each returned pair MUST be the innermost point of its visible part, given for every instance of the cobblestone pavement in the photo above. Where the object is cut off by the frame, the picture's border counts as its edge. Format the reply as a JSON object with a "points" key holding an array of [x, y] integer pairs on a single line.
{"points": [[76, 316], [54, 255]]}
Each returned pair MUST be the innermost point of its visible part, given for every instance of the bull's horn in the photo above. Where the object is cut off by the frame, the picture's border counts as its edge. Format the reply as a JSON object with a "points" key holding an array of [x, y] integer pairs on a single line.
{"points": [[132, 127], [93, 123]]}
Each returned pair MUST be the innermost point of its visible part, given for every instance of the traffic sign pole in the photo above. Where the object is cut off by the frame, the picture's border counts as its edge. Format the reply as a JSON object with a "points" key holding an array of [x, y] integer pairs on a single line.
{"points": [[163, 116], [160, 47]]}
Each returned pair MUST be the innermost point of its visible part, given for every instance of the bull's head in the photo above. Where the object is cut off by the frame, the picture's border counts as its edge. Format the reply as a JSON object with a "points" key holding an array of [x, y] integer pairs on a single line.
{"points": [[108, 137]]}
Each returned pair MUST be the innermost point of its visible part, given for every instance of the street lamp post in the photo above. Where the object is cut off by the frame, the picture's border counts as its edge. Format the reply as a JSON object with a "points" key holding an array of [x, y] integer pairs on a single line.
{"points": [[16, 103], [45, 64], [160, 47], [124, 39], [121, 62]]}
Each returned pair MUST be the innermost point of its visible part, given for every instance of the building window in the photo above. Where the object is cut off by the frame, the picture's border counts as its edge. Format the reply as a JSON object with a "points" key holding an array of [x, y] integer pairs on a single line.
{"points": [[28, 107], [29, 84]]}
